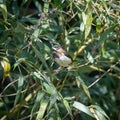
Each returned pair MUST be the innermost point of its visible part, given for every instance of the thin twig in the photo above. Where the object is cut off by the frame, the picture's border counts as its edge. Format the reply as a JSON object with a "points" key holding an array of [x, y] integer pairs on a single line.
{"points": [[28, 116], [97, 80], [63, 82], [81, 48], [8, 86]]}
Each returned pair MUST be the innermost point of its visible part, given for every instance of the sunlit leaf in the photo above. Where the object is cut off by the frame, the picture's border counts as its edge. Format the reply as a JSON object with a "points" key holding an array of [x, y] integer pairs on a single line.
{"points": [[49, 88], [82, 27], [100, 112], [4, 11], [90, 58], [87, 0], [98, 26], [38, 75], [40, 95], [87, 19], [82, 108], [104, 4], [42, 109]]}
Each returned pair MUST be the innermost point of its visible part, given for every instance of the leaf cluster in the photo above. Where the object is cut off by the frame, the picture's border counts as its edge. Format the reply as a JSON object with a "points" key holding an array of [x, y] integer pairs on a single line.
{"points": [[35, 87]]}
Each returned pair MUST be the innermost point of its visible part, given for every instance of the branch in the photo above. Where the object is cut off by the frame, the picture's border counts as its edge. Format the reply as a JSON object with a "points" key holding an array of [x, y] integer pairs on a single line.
{"points": [[97, 80]]}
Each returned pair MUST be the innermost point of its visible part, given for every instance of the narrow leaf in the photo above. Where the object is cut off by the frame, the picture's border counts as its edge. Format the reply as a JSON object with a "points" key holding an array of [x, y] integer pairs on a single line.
{"points": [[87, 19], [20, 86], [105, 35], [50, 88], [67, 106], [40, 95], [90, 58], [4, 11], [100, 110], [19, 61], [104, 4], [40, 56], [42, 109], [82, 108], [81, 82]]}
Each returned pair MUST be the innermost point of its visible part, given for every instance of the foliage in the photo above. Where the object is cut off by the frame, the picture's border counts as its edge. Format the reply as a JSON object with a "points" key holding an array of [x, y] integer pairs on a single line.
{"points": [[32, 88]]}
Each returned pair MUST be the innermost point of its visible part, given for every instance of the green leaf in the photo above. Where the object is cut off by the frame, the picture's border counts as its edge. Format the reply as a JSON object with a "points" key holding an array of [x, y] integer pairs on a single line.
{"points": [[100, 112], [57, 116], [98, 26], [15, 7], [82, 108], [38, 75], [90, 58], [40, 95], [46, 6], [67, 106], [53, 99], [4, 11], [106, 34], [42, 109], [41, 57], [100, 116], [38, 5], [19, 31], [88, 1], [20, 86], [19, 61], [104, 4], [82, 27], [24, 2], [81, 82], [49, 88], [87, 19], [19, 28]]}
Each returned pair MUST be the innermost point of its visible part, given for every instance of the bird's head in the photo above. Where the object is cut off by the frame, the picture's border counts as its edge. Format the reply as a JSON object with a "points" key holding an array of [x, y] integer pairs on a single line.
{"points": [[58, 49]]}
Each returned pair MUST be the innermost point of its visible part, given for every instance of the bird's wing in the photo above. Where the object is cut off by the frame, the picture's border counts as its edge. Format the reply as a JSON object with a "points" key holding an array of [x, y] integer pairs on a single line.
{"points": [[66, 54], [55, 55]]}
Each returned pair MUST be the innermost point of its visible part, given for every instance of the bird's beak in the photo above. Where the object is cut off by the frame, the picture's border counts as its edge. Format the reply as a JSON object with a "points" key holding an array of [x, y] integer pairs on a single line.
{"points": [[53, 48]]}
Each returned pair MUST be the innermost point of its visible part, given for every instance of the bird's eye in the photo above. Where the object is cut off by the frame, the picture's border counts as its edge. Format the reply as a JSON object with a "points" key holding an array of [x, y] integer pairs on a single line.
{"points": [[56, 47]]}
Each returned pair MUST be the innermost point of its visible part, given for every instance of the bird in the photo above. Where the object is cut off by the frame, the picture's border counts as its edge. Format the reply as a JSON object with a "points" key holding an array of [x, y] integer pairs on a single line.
{"points": [[61, 57]]}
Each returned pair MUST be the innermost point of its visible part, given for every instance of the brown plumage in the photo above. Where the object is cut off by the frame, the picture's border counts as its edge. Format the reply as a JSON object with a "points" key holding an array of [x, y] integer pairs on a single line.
{"points": [[61, 57]]}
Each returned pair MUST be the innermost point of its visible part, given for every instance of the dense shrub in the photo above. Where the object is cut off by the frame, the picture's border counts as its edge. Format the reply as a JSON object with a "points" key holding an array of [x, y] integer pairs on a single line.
{"points": [[32, 84]]}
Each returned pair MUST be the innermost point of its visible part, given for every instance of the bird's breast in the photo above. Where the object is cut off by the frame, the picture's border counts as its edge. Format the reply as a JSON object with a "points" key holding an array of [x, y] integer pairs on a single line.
{"points": [[63, 61]]}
